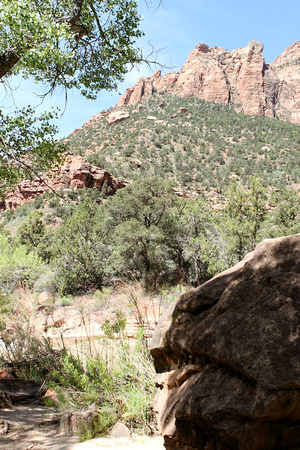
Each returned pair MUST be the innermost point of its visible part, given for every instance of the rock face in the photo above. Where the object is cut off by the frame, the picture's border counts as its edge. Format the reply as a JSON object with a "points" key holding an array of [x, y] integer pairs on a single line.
{"points": [[228, 356], [117, 116], [75, 173], [240, 77], [287, 68]]}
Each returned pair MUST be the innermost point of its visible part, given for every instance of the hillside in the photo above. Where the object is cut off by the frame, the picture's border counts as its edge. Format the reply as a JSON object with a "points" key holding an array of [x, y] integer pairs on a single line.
{"points": [[214, 121], [201, 145]]}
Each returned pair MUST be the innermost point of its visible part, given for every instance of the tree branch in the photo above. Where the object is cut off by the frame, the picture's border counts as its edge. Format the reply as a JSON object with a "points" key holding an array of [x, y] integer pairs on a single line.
{"points": [[29, 168], [74, 16], [9, 58]]}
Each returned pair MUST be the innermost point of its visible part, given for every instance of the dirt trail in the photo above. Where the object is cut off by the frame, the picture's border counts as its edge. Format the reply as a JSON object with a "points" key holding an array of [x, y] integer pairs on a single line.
{"points": [[26, 427]]}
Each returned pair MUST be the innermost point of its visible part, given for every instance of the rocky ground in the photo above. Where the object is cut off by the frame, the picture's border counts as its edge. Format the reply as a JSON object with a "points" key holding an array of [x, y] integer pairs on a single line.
{"points": [[25, 427], [78, 326]]}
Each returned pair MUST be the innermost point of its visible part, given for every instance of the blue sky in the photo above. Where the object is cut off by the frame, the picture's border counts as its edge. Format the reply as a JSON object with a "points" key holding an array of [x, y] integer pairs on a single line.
{"points": [[175, 28]]}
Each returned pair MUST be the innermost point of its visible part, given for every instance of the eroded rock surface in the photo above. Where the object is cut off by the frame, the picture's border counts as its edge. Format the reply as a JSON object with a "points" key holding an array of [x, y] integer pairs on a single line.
{"points": [[76, 173], [117, 116], [240, 77], [227, 356]]}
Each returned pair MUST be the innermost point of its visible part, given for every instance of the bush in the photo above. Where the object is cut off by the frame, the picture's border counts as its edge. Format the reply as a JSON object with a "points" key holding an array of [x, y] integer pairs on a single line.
{"points": [[79, 254], [46, 281], [24, 350], [37, 202], [121, 388], [17, 266]]}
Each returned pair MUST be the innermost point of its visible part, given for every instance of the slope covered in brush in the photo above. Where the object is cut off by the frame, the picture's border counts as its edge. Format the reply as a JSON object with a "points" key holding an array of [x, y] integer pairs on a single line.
{"points": [[200, 145]]}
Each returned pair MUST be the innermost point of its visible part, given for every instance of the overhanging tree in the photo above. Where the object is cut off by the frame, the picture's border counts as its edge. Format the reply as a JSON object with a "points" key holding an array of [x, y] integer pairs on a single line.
{"points": [[86, 44], [82, 44], [27, 146]]}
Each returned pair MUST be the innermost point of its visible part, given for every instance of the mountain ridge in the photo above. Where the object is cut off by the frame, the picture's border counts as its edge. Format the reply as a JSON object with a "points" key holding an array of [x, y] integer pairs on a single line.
{"points": [[239, 77]]}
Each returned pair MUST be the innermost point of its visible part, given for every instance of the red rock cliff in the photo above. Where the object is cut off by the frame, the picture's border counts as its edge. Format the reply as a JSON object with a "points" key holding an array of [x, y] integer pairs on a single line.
{"points": [[76, 172], [240, 77]]}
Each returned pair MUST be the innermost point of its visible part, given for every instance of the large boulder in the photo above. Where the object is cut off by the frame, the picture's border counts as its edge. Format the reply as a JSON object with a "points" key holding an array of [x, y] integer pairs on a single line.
{"points": [[227, 356], [15, 390], [117, 116]]}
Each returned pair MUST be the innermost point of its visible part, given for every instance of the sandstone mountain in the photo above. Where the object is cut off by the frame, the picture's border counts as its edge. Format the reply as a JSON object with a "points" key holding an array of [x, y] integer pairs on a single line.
{"points": [[239, 77], [185, 126]]}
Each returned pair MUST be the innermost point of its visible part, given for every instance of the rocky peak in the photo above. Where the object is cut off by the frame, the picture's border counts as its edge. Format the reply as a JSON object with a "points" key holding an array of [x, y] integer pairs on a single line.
{"points": [[240, 77], [202, 48], [287, 68]]}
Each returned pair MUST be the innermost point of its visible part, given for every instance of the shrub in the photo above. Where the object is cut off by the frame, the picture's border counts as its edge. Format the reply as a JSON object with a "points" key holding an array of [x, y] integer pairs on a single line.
{"points": [[17, 266], [47, 281], [122, 387]]}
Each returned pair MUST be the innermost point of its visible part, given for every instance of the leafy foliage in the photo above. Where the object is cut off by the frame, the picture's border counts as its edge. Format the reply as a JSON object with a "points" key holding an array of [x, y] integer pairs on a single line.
{"points": [[32, 230], [27, 145], [79, 250], [85, 44], [82, 44], [244, 215], [146, 232], [136, 217], [17, 266]]}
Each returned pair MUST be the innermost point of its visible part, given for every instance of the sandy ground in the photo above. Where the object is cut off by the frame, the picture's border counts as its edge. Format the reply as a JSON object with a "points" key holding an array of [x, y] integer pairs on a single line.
{"points": [[134, 443], [27, 427]]}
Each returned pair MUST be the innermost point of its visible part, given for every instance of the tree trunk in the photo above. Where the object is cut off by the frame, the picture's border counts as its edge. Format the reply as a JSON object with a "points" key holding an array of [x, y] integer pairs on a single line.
{"points": [[7, 61], [198, 268], [10, 58]]}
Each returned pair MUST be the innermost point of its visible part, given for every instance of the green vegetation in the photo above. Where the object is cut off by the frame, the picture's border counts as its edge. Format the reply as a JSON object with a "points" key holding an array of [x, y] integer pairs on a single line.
{"points": [[111, 373], [202, 150], [144, 232], [205, 187], [122, 391], [82, 44], [27, 146], [17, 265]]}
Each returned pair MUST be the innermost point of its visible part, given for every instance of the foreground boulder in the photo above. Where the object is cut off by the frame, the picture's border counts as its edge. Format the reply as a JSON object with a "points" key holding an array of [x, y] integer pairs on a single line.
{"points": [[228, 356]]}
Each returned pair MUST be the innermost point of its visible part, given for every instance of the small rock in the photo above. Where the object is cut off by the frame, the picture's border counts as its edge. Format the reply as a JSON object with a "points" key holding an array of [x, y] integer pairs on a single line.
{"points": [[117, 116], [119, 430], [71, 422], [49, 395], [5, 374], [136, 162], [44, 297]]}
